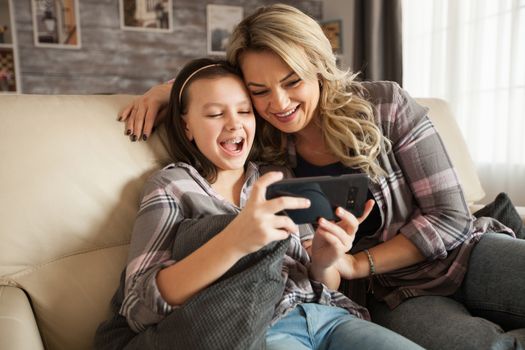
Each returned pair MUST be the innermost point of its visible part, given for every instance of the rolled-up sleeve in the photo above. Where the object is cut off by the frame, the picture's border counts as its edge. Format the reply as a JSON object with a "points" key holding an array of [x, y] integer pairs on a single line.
{"points": [[150, 251], [441, 220]]}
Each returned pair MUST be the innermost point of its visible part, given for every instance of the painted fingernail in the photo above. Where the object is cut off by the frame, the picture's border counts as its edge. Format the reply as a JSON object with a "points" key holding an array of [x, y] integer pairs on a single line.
{"points": [[144, 137], [128, 132], [133, 138], [119, 118]]}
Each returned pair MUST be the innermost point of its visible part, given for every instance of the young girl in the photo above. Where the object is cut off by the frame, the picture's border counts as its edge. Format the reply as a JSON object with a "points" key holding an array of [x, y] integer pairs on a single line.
{"points": [[211, 129]]}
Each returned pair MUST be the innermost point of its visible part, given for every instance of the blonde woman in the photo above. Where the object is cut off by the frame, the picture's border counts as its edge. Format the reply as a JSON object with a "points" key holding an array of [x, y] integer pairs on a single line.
{"points": [[420, 239], [243, 280]]}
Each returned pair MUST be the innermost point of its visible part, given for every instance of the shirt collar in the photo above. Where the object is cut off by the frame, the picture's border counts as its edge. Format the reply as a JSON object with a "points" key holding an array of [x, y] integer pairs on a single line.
{"points": [[251, 175]]}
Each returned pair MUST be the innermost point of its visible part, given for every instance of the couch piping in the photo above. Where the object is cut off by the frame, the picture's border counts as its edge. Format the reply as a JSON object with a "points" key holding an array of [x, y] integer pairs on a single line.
{"points": [[7, 279]]}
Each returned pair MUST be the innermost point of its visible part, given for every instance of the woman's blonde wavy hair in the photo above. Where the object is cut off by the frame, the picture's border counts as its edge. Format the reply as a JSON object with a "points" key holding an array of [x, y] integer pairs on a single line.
{"points": [[346, 117]]}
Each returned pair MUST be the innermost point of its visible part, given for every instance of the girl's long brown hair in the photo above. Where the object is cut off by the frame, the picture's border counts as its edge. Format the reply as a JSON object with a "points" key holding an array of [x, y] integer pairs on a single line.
{"points": [[179, 147]]}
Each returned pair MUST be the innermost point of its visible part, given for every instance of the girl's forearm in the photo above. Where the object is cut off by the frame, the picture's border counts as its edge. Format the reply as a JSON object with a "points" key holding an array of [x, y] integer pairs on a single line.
{"points": [[330, 276], [397, 253], [182, 280]]}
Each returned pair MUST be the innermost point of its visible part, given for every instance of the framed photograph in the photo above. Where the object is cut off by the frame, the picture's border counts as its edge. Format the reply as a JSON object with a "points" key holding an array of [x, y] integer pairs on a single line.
{"points": [[56, 23], [8, 83], [6, 25], [221, 20], [9, 71], [333, 31], [146, 15]]}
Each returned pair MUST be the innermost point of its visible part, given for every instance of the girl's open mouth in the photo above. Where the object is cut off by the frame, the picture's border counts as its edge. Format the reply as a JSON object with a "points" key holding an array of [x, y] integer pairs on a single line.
{"points": [[233, 146]]}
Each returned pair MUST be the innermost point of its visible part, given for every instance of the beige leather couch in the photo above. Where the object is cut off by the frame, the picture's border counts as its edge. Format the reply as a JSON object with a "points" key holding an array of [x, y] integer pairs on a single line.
{"points": [[70, 186]]}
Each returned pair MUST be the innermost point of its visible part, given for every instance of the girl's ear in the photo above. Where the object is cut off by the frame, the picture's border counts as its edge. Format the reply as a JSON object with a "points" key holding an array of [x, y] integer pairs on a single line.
{"points": [[187, 131]]}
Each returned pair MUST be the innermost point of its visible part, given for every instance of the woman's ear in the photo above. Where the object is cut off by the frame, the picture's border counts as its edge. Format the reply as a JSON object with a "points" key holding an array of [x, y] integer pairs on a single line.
{"points": [[320, 80]]}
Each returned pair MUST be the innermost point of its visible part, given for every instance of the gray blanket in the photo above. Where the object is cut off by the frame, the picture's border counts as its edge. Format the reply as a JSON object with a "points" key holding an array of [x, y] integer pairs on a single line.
{"points": [[232, 313]]}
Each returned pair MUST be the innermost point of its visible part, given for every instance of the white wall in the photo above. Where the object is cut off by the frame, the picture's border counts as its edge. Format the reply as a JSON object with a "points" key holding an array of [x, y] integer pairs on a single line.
{"points": [[342, 9]]}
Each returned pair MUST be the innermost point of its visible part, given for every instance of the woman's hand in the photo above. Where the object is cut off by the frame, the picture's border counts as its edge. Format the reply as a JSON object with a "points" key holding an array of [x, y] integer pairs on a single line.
{"points": [[258, 223], [330, 243], [336, 236], [146, 111]]}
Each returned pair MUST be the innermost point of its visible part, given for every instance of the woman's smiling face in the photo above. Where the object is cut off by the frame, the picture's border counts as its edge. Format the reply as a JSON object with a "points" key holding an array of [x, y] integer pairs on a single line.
{"points": [[278, 94]]}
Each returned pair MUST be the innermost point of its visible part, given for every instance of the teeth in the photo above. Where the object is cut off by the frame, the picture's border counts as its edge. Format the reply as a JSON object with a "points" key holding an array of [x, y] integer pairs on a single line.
{"points": [[234, 140], [281, 115]]}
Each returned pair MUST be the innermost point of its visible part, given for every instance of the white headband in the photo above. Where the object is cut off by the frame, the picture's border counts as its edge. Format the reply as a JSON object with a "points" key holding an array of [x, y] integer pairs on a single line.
{"points": [[191, 76]]}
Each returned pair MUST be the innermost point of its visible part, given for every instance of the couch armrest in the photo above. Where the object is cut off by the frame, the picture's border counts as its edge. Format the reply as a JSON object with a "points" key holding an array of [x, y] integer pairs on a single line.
{"points": [[521, 210], [18, 329]]}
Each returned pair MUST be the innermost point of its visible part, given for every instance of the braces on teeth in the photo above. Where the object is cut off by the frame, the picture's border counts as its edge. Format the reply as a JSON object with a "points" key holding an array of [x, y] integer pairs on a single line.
{"points": [[235, 140]]}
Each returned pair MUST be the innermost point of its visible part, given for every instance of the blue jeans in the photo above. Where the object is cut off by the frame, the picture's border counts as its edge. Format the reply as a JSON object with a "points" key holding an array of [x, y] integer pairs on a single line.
{"points": [[487, 312], [315, 326]]}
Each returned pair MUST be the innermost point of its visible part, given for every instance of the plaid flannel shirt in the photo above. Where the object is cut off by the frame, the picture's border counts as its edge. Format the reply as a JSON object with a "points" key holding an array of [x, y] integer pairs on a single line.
{"points": [[178, 192]]}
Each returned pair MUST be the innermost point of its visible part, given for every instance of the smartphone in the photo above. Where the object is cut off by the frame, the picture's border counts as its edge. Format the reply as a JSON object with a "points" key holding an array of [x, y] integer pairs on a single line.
{"points": [[325, 193]]}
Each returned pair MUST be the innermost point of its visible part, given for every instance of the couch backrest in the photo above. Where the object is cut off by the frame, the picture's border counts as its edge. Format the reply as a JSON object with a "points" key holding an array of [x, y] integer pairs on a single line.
{"points": [[448, 128], [70, 187]]}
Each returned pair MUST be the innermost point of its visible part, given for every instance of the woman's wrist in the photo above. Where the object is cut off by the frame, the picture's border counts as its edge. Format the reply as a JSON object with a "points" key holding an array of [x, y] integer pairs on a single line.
{"points": [[371, 263], [354, 266], [366, 263]]}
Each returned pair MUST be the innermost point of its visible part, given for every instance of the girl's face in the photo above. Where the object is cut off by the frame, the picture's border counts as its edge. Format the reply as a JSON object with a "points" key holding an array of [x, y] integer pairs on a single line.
{"points": [[278, 94], [220, 120]]}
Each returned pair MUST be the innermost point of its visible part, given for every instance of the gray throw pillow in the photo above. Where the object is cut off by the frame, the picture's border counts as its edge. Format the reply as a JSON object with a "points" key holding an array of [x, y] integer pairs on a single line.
{"points": [[504, 211], [231, 314]]}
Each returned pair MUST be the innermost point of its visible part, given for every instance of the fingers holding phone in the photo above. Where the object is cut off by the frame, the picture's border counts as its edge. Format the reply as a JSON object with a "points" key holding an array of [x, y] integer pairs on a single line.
{"points": [[258, 223], [349, 222], [336, 238], [330, 243]]}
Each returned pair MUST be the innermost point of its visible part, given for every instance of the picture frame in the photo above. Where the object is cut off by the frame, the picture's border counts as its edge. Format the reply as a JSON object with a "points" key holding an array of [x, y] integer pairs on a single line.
{"points": [[220, 22], [9, 68], [56, 24], [146, 15], [333, 29]]}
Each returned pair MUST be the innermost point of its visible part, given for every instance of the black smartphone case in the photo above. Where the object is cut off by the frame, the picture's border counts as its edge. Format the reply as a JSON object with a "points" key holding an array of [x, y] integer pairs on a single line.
{"points": [[325, 193]]}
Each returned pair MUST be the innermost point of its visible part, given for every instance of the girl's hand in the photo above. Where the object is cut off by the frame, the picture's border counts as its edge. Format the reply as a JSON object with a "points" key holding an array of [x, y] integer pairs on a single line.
{"points": [[146, 111], [257, 224]]}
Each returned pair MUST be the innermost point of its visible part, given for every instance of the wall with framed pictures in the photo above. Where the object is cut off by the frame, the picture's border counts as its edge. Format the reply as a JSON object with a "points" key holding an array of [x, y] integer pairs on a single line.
{"points": [[56, 23], [146, 15], [220, 21], [9, 67], [342, 11], [333, 29], [118, 46]]}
